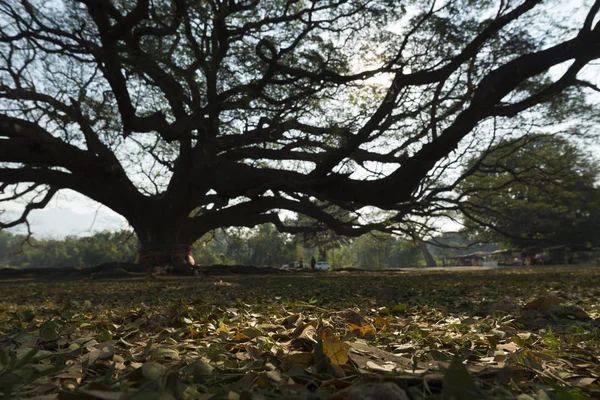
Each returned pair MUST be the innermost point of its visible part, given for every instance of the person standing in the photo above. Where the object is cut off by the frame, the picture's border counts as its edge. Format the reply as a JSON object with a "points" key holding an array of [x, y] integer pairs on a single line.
{"points": [[313, 262]]}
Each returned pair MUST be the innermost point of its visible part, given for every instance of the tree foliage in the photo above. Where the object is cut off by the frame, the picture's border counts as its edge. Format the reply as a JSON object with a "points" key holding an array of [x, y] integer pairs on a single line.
{"points": [[187, 116], [538, 190], [71, 251]]}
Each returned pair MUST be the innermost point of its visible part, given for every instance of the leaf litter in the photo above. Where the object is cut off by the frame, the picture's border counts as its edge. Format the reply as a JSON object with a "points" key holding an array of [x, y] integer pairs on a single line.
{"points": [[494, 334]]}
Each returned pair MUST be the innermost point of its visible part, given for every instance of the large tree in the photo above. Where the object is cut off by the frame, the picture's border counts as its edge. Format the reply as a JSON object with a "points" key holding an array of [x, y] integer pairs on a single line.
{"points": [[539, 190], [185, 116]]}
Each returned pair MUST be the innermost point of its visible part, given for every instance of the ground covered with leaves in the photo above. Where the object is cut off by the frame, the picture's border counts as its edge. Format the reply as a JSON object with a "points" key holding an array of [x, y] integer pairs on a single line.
{"points": [[481, 334]]}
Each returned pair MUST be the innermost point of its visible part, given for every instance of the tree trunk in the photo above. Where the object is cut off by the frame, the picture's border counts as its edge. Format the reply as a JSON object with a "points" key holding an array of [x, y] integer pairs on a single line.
{"points": [[429, 260], [161, 243], [322, 253]]}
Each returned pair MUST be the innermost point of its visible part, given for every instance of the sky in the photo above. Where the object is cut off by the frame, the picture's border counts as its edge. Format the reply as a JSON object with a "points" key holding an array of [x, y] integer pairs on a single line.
{"points": [[69, 214]]}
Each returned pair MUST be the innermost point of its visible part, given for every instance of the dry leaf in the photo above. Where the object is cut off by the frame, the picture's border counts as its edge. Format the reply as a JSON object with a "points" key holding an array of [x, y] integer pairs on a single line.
{"points": [[511, 347], [386, 366], [291, 321], [326, 335], [352, 317], [240, 337], [304, 359], [371, 390], [363, 332], [336, 351], [222, 328], [582, 381], [543, 303], [380, 323], [309, 332]]}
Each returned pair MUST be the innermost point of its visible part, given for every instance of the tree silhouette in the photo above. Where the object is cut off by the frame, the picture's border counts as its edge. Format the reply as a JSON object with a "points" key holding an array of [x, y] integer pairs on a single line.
{"points": [[186, 116]]}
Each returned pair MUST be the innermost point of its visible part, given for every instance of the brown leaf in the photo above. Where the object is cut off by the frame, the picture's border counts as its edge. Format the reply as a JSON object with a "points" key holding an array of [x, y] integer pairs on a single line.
{"points": [[268, 327], [337, 371], [293, 388], [102, 394], [361, 354], [327, 335], [371, 390], [309, 332], [511, 347], [304, 359], [352, 317], [542, 303], [291, 321], [338, 383], [253, 352]]}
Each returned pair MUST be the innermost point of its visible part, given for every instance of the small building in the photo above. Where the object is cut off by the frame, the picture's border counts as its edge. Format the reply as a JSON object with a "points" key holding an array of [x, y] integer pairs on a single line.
{"points": [[473, 259], [508, 257]]}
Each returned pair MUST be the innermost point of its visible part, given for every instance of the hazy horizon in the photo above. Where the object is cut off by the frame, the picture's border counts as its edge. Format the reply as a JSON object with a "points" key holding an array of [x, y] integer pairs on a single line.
{"points": [[57, 223]]}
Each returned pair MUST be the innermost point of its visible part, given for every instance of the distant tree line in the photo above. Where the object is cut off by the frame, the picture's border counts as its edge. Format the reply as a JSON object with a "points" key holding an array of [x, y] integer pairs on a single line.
{"points": [[262, 246], [72, 251]]}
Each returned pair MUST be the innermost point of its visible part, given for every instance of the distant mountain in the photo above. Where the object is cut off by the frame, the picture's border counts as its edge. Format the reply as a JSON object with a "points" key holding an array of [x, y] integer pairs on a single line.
{"points": [[56, 223]]}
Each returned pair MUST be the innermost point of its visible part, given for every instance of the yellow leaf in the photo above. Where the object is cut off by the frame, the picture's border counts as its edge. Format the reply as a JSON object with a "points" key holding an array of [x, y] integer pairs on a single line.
{"points": [[222, 328], [336, 351], [381, 323], [364, 332], [367, 331], [240, 337]]}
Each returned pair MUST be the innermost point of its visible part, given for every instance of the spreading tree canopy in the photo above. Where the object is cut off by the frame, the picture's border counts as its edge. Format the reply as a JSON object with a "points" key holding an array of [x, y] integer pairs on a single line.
{"points": [[184, 116], [539, 190]]}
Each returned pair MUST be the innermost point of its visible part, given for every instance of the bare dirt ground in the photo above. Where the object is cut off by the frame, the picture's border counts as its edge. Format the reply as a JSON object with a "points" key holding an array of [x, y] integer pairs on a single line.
{"points": [[119, 271]]}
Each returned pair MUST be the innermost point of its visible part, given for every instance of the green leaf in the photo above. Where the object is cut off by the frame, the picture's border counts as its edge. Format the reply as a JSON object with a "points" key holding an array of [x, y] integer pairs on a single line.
{"points": [[153, 370], [4, 359], [105, 335], [199, 367], [147, 349], [322, 364], [566, 394], [457, 383], [27, 358], [399, 308], [48, 331], [165, 352], [25, 315]]}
